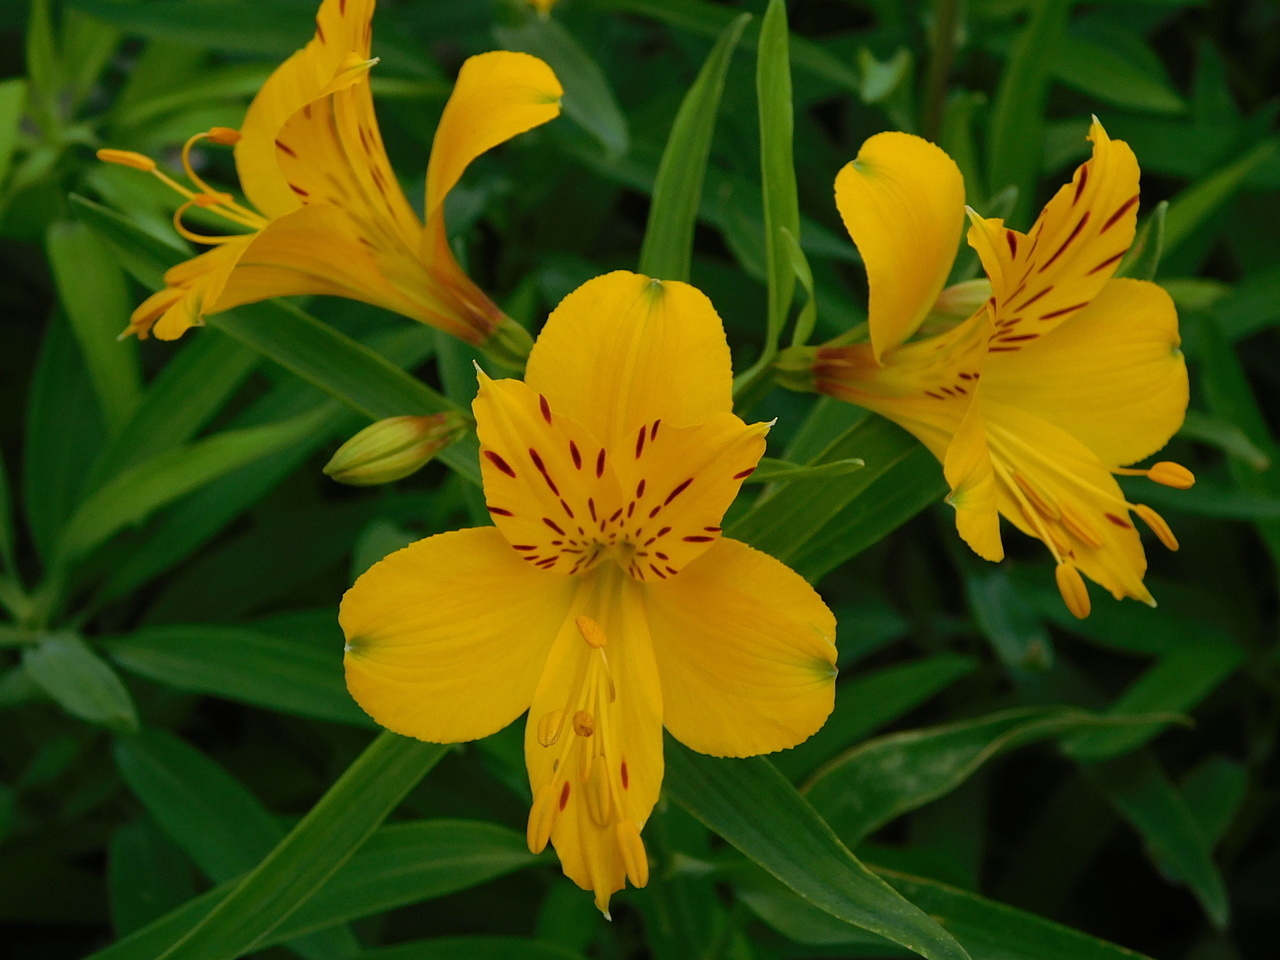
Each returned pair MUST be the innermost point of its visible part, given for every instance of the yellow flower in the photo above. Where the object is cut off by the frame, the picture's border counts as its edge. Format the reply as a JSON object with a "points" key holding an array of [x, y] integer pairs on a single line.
{"points": [[327, 214], [1062, 375], [605, 602]]}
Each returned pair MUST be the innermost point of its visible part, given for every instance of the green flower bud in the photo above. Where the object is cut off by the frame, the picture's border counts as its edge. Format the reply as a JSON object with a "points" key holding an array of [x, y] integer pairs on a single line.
{"points": [[394, 448]]}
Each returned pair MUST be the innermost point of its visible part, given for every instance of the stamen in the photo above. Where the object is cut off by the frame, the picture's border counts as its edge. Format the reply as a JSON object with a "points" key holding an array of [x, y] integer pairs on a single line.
{"points": [[550, 726], [1157, 524], [599, 797], [1038, 500], [127, 158], [1171, 474], [591, 632], [633, 856], [225, 136], [584, 724], [542, 817], [1074, 593], [1081, 529]]}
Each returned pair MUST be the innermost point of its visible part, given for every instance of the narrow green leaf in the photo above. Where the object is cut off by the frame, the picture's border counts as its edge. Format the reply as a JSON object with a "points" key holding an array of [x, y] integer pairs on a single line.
{"points": [[1176, 684], [1194, 205], [1017, 120], [13, 98], [782, 471], [588, 100], [1143, 258], [668, 237], [870, 701], [1213, 792], [1226, 436], [1013, 628], [92, 290], [995, 931], [247, 666], [189, 390], [751, 805], [886, 777], [7, 561], [145, 256], [808, 317], [1143, 795], [474, 948], [44, 69], [147, 876], [1101, 72], [140, 490], [206, 811], [323, 841], [80, 681], [777, 167]]}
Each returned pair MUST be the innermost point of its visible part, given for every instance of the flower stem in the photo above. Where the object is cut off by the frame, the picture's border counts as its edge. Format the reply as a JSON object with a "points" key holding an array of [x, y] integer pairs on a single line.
{"points": [[944, 42]]}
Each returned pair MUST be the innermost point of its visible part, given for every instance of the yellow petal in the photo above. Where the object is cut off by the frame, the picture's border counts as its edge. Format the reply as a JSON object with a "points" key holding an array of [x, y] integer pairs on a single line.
{"points": [[447, 637], [1112, 377], [1041, 278], [497, 96], [623, 350], [549, 484], [342, 35], [192, 288], [1054, 488], [902, 201], [599, 786], [746, 652], [677, 482], [972, 479]]}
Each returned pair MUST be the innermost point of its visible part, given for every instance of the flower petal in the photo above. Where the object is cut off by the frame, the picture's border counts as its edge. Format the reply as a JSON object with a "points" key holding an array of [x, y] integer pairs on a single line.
{"points": [[623, 350], [678, 482], [1113, 377], [972, 479], [596, 783], [1041, 278], [746, 652], [342, 36], [902, 201], [190, 291], [447, 637], [549, 484]]}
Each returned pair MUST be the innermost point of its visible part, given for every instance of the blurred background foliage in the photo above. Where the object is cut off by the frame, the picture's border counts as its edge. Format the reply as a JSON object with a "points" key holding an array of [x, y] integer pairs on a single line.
{"points": [[171, 697]]}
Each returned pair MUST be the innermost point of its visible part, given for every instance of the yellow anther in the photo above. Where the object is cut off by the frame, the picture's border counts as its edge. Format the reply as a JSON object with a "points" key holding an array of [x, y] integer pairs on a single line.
{"points": [[542, 817], [1071, 586], [584, 724], [1045, 505], [127, 158], [1172, 474], [225, 136], [591, 632], [549, 727], [599, 797], [633, 856], [210, 199], [1157, 524]]}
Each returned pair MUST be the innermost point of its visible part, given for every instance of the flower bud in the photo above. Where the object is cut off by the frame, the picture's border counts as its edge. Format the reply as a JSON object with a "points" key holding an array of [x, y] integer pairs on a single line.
{"points": [[394, 448]]}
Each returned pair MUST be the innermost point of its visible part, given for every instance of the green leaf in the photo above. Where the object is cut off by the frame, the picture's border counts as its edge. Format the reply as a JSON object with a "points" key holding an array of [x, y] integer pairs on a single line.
{"points": [[147, 876], [1175, 684], [140, 490], [286, 675], [770, 470], [92, 290], [752, 806], [587, 100], [1213, 792], [189, 390], [344, 818], [206, 811], [1017, 120], [870, 701], [343, 367], [1013, 628], [13, 98], [1101, 72], [884, 778], [80, 681], [474, 948], [995, 931], [1143, 258], [44, 69], [668, 236], [7, 562], [1226, 436], [777, 168], [145, 256], [1194, 205], [1143, 795]]}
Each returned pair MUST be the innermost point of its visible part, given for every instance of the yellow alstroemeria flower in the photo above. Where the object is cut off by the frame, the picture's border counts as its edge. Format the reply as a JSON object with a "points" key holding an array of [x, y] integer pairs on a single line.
{"points": [[1061, 377], [605, 601], [326, 214]]}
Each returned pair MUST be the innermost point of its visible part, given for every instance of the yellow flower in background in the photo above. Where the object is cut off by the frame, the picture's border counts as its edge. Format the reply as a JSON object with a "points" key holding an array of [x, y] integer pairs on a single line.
{"points": [[326, 214], [1061, 377], [605, 601]]}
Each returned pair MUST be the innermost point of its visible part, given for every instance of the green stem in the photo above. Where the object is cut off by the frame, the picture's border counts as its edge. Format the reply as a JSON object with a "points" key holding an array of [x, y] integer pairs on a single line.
{"points": [[944, 44]]}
